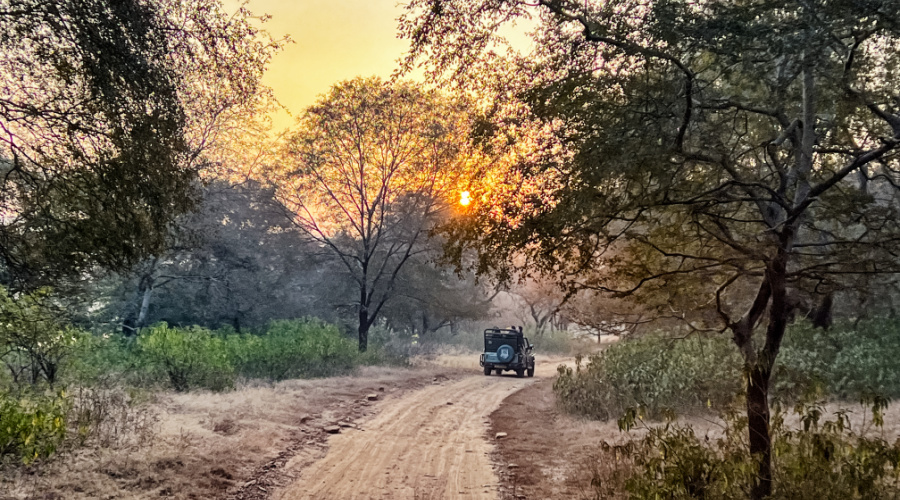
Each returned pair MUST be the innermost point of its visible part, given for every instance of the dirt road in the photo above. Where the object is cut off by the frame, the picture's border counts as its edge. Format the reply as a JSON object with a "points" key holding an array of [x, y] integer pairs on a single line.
{"points": [[429, 444]]}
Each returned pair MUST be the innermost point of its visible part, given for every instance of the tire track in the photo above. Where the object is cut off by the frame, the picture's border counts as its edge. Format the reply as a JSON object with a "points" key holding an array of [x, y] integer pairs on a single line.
{"points": [[427, 445]]}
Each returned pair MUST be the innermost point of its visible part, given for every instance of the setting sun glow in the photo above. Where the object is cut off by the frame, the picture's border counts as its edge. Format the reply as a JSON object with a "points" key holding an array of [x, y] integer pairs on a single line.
{"points": [[464, 199]]}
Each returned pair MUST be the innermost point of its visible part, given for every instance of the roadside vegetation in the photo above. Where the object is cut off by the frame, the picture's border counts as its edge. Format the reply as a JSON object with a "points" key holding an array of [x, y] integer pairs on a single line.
{"points": [[822, 378], [663, 375], [64, 387]]}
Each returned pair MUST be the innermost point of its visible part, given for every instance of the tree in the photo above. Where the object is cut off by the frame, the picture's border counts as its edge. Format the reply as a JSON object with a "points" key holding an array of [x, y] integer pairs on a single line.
{"points": [[366, 172], [432, 297], [106, 111], [718, 154], [235, 261], [539, 302]]}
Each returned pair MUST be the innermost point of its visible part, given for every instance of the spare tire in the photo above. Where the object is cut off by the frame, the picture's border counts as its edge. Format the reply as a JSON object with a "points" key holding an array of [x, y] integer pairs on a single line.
{"points": [[505, 353]]}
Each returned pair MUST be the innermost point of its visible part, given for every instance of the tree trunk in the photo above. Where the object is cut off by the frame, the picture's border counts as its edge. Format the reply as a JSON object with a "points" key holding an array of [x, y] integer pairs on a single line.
{"points": [[758, 427], [821, 315], [759, 372], [145, 306], [364, 322], [363, 329]]}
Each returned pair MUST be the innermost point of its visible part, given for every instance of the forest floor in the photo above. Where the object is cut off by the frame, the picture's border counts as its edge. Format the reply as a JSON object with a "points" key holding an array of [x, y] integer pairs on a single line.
{"points": [[237, 445]]}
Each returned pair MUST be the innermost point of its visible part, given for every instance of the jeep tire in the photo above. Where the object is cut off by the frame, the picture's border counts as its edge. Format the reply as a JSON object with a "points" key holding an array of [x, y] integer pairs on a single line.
{"points": [[487, 370]]}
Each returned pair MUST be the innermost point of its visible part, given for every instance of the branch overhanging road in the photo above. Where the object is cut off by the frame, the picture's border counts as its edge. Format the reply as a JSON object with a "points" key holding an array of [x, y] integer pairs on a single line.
{"points": [[428, 444]]}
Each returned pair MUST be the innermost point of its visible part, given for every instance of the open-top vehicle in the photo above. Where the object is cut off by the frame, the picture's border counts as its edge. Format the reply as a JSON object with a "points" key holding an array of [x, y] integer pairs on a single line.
{"points": [[507, 349]]}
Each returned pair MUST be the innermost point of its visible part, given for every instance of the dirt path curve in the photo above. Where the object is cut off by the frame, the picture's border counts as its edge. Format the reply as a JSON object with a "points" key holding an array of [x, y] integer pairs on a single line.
{"points": [[429, 444]]}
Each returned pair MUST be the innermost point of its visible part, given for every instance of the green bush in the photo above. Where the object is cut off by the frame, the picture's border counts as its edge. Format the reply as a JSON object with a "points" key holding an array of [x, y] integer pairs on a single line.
{"points": [[653, 372], [660, 374], [32, 425], [818, 460], [189, 357], [33, 339], [848, 361], [292, 349]]}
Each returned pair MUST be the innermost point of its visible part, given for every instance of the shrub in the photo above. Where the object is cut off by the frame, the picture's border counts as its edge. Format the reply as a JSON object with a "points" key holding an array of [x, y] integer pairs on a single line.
{"points": [[111, 416], [292, 349], [32, 425], [847, 361], [33, 340], [661, 374], [819, 460], [655, 373], [189, 357]]}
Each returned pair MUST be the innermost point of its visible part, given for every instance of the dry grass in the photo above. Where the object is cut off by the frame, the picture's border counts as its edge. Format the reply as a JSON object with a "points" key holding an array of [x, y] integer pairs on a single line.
{"points": [[210, 445]]}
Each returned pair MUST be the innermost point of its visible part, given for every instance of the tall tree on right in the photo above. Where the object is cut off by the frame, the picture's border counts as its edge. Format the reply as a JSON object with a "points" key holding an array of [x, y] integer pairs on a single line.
{"points": [[706, 152]]}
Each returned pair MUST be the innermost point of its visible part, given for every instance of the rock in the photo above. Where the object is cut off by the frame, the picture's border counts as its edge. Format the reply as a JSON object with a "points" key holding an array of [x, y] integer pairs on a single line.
{"points": [[500, 435], [512, 466], [372, 397], [332, 429], [381, 389], [346, 424], [449, 402]]}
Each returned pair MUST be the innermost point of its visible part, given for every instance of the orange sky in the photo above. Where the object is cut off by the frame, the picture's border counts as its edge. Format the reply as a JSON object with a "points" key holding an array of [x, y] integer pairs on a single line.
{"points": [[333, 40]]}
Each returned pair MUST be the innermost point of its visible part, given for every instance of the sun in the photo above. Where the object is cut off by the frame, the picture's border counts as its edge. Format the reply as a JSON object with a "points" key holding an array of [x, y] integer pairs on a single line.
{"points": [[464, 199]]}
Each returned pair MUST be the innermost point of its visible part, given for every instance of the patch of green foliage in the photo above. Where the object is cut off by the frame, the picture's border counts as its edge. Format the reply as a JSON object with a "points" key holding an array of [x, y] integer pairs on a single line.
{"points": [[663, 375], [653, 372], [32, 425], [192, 358], [34, 343], [189, 357], [813, 459], [292, 349], [848, 361]]}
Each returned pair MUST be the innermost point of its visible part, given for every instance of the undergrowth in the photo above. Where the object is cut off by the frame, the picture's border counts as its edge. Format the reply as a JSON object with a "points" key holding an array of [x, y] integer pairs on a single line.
{"points": [[666, 375], [813, 459]]}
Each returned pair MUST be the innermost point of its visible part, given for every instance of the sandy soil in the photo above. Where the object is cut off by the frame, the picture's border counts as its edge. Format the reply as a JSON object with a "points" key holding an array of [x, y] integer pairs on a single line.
{"points": [[201, 445], [427, 444], [548, 454]]}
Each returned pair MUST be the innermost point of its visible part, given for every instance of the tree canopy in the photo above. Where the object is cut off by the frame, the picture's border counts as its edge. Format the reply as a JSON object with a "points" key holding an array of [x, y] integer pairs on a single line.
{"points": [[106, 110], [366, 174], [708, 154]]}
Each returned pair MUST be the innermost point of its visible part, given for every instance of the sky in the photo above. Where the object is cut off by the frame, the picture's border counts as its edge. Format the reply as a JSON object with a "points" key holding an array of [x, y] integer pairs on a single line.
{"points": [[334, 40]]}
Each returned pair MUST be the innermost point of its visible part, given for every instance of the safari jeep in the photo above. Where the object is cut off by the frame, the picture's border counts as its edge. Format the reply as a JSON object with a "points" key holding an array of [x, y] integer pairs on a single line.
{"points": [[507, 349]]}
